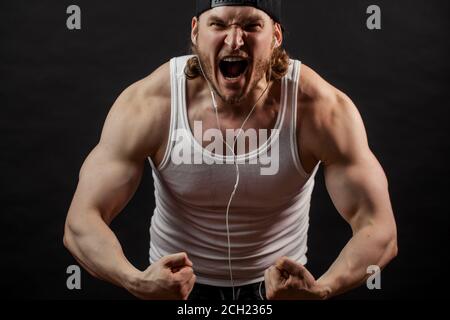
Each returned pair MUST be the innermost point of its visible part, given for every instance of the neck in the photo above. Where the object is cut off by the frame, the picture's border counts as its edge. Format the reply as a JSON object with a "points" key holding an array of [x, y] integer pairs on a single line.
{"points": [[253, 100]]}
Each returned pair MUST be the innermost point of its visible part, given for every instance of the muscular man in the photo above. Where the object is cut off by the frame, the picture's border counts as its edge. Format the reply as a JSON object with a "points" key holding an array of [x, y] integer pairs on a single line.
{"points": [[212, 235]]}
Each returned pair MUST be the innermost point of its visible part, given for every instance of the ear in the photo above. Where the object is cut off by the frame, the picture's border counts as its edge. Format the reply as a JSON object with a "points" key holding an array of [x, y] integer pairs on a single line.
{"points": [[194, 30], [277, 35]]}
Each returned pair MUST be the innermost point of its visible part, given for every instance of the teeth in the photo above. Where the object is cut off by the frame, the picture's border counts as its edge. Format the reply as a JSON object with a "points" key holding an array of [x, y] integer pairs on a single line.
{"points": [[233, 59]]}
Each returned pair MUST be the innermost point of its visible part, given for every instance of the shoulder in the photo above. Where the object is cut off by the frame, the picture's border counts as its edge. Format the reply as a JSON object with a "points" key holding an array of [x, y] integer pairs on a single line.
{"points": [[141, 113], [321, 103], [139, 96], [329, 118]]}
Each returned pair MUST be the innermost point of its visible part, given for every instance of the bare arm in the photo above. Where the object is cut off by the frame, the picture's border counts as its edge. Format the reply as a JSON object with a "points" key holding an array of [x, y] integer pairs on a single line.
{"points": [[134, 130], [358, 188], [332, 131], [108, 179], [105, 185]]}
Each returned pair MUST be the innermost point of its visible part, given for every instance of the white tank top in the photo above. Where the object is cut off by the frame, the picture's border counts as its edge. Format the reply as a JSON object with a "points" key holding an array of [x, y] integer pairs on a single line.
{"points": [[269, 214]]}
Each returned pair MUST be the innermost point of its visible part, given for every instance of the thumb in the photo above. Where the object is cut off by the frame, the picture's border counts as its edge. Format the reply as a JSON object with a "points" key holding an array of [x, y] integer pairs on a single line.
{"points": [[177, 260]]}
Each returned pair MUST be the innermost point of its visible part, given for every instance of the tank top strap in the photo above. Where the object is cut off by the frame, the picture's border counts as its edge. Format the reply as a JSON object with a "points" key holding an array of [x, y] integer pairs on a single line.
{"points": [[177, 66]]}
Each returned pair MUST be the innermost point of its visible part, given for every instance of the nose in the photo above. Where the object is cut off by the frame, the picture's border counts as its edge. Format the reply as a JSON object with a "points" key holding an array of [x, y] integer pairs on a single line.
{"points": [[234, 38]]}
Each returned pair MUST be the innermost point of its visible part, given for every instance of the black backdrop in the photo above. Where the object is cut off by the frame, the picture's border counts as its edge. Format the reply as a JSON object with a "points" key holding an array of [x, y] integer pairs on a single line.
{"points": [[57, 86]]}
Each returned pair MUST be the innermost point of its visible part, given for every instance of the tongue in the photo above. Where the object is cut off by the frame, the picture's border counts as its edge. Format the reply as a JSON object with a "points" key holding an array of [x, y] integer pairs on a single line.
{"points": [[233, 70]]}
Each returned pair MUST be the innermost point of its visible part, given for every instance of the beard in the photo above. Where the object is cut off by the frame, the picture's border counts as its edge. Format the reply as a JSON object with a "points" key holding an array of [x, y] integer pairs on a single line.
{"points": [[261, 69]]}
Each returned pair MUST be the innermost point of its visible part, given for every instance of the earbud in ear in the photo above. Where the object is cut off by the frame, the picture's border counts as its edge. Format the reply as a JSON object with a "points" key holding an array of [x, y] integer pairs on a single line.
{"points": [[276, 43]]}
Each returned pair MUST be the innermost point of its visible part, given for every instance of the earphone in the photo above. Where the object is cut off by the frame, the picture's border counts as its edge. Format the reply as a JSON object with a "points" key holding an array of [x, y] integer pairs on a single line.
{"points": [[234, 158], [277, 44], [216, 111]]}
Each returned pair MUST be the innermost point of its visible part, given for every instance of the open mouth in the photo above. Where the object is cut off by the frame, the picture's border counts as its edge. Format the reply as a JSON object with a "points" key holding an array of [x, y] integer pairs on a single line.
{"points": [[233, 67]]}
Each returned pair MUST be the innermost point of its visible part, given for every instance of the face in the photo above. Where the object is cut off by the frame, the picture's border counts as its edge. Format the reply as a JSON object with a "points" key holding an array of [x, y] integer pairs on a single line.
{"points": [[235, 45]]}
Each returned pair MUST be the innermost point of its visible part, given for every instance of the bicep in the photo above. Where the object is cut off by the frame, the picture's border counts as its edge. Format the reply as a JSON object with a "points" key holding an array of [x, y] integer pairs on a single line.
{"points": [[132, 132], [354, 178], [106, 183], [111, 173], [359, 190]]}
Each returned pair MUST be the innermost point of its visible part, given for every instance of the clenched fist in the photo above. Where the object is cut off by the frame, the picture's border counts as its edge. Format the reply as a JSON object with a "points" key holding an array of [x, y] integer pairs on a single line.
{"points": [[170, 278], [289, 280]]}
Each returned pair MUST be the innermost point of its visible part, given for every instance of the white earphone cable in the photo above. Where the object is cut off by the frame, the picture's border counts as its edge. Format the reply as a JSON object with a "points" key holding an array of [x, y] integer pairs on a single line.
{"points": [[234, 159]]}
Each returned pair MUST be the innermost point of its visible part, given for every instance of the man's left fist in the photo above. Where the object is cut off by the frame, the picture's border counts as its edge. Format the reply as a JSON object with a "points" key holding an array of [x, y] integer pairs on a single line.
{"points": [[289, 280]]}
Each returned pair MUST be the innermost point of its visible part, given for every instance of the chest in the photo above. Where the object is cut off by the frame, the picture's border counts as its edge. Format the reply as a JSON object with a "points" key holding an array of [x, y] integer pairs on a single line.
{"points": [[245, 130]]}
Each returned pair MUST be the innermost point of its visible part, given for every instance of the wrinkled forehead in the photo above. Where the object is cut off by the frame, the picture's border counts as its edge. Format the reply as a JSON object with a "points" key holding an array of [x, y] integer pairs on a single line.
{"points": [[235, 14]]}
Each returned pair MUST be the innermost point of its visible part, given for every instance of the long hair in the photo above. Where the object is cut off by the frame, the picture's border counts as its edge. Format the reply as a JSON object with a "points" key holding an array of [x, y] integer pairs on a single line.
{"points": [[279, 64]]}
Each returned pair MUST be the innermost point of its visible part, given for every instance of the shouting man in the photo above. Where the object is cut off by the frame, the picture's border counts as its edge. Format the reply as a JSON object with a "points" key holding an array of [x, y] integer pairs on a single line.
{"points": [[235, 134]]}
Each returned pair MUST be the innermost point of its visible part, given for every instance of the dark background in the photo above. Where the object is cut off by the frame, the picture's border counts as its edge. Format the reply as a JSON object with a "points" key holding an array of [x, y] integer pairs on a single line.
{"points": [[57, 85]]}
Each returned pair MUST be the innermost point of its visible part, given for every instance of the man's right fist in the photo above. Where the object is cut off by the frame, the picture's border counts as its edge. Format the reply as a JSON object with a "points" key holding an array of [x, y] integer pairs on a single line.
{"points": [[170, 278]]}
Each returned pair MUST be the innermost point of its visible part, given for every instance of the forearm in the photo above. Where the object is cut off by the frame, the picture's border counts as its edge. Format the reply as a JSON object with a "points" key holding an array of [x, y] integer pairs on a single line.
{"points": [[97, 249], [369, 246]]}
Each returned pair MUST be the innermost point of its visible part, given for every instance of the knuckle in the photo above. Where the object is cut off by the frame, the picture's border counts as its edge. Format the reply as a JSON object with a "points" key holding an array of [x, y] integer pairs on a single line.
{"points": [[283, 259], [163, 260], [183, 255]]}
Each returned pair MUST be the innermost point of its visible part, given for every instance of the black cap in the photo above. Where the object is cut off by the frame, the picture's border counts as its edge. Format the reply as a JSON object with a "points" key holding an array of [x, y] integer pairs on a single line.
{"points": [[271, 7]]}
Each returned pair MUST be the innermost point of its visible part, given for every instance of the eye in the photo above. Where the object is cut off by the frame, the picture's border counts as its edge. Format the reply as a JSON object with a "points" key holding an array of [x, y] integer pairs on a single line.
{"points": [[217, 25], [253, 27]]}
